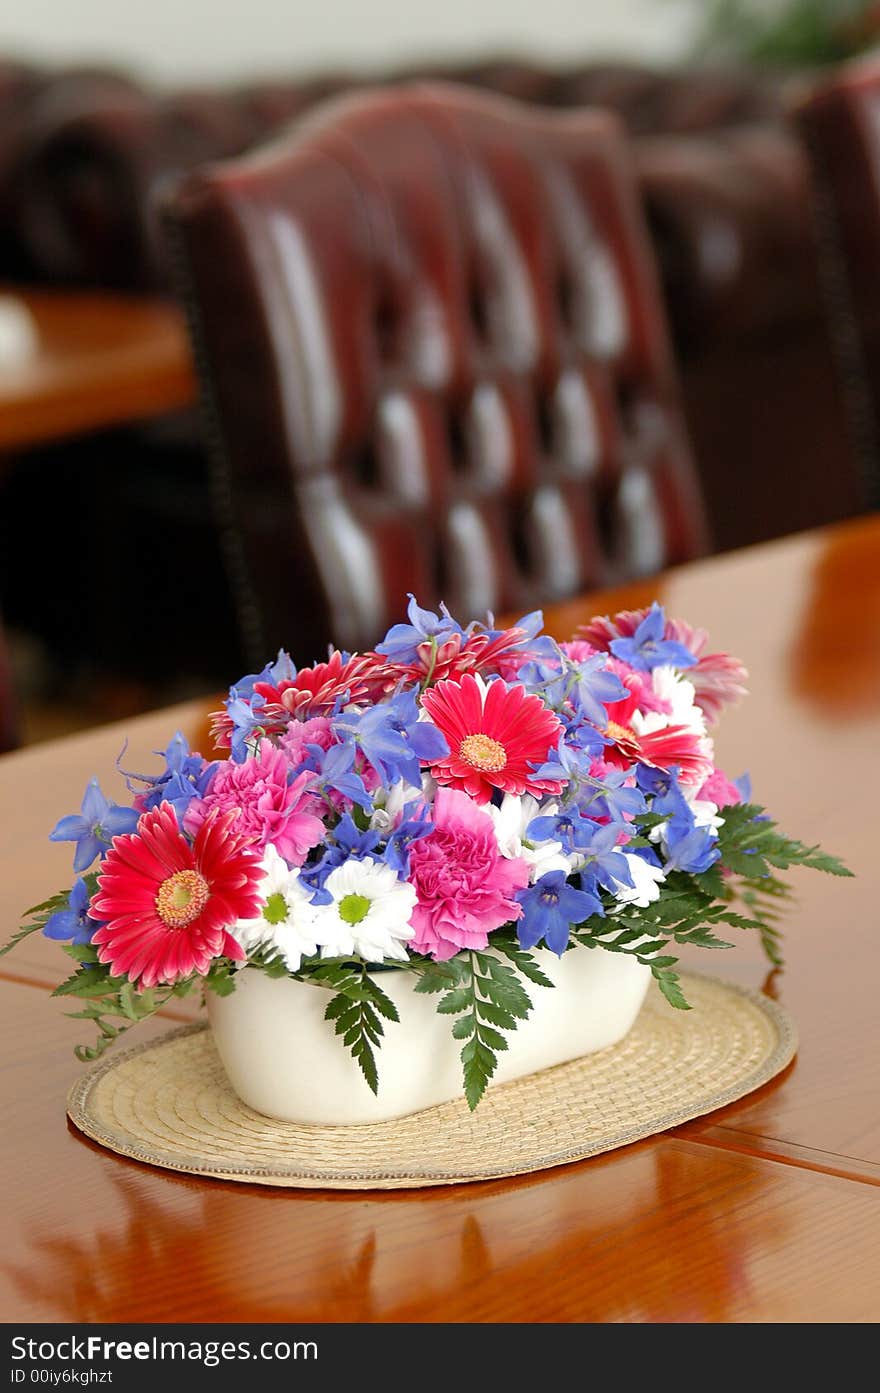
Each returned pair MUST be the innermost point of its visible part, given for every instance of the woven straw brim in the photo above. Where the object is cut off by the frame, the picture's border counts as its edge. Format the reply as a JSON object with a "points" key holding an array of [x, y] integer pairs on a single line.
{"points": [[169, 1103]]}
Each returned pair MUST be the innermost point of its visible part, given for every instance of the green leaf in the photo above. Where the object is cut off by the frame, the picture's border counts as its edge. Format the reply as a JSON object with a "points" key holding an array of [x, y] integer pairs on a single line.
{"points": [[459, 999], [80, 952], [383, 1004], [490, 1011], [670, 986], [355, 1010], [479, 1066], [702, 938], [48, 907], [435, 977], [523, 961], [504, 988]]}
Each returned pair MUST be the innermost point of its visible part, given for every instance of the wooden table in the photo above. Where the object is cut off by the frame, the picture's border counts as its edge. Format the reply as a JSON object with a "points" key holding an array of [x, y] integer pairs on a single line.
{"points": [[100, 360], [766, 1211]]}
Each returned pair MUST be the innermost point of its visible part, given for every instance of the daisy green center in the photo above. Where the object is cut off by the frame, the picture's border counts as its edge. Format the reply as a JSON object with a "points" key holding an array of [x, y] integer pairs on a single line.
{"points": [[181, 898], [354, 908], [275, 908], [482, 752]]}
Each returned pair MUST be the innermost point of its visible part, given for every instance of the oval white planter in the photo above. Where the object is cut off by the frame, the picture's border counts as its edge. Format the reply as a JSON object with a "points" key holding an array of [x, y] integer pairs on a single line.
{"points": [[284, 1060]]}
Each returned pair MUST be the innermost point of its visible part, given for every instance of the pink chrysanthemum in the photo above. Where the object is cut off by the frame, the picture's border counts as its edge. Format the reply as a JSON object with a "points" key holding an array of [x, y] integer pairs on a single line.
{"points": [[496, 736], [166, 905], [465, 887], [475, 652], [660, 749], [719, 679], [720, 790], [314, 691], [299, 734], [265, 807]]}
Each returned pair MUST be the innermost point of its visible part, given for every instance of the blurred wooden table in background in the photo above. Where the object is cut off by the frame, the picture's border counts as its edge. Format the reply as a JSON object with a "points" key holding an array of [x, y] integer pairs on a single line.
{"points": [[98, 361], [765, 1211]]}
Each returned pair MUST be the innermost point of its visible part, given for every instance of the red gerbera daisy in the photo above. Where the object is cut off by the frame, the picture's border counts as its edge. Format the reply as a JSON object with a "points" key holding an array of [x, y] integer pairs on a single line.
{"points": [[496, 736], [166, 904], [660, 749]]}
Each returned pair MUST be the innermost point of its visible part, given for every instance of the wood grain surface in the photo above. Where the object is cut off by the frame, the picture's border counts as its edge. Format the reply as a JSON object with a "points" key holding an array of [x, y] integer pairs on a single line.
{"points": [[99, 360], [767, 1211]]}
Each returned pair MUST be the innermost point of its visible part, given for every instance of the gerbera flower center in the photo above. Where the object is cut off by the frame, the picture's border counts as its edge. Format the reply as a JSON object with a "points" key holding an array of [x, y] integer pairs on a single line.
{"points": [[618, 732], [354, 908], [482, 752], [181, 898]]}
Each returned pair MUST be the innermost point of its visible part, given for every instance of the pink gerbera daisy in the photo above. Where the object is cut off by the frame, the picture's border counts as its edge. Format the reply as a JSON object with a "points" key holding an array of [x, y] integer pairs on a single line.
{"points": [[167, 905], [497, 735]]}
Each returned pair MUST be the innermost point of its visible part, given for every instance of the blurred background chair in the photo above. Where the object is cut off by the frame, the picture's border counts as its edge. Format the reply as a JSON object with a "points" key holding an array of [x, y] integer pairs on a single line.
{"points": [[840, 121], [774, 371], [726, 191], [433, 346]]}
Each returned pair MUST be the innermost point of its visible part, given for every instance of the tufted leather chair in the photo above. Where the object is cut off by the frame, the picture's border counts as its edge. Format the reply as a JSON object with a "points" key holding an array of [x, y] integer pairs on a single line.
{"points": [[840, 121], [430, 334]]}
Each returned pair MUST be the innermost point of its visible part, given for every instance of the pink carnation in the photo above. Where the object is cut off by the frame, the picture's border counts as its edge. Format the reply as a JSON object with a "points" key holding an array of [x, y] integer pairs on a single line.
{"points": [[579, 650], [317, 731], [465, 887], [267, 807], [719, 790]]}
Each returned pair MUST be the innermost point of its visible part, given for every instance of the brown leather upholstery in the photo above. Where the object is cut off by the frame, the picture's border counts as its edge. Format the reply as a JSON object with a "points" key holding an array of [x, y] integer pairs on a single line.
{"points": [[95, 151], [432, 338], [840, 120]]}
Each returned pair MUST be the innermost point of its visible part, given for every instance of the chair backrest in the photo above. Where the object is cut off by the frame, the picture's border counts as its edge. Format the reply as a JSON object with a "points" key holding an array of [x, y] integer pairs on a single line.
{"points": [[839, 119], [431, 342]]}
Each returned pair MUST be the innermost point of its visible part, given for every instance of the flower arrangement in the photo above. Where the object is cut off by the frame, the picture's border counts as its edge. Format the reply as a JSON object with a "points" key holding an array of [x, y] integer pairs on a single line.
{"points": [[444, 805]]}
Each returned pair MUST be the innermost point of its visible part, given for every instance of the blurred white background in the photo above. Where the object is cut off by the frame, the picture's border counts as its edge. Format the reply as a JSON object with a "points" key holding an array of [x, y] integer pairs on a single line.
{"points": [[178, 39]]}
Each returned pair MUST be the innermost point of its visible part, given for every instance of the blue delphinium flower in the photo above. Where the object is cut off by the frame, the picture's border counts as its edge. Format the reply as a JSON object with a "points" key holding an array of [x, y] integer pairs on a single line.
{"points": [[337, 774], [411, 828], [692, 851], [606, 864], [347, 840], [94, 827], [648, 648], [586, 684], [393, 739], [568, 762], [244, 706], [186, 776], [402, 641], [72, 922], [550, 907], [687, 847], [612, 797], [245, 713]]}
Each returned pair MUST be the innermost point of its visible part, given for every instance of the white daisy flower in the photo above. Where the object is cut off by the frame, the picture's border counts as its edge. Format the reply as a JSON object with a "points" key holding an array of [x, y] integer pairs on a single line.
{"points": [[511, 821], [646, 879], [369, 913], [285, 925]]}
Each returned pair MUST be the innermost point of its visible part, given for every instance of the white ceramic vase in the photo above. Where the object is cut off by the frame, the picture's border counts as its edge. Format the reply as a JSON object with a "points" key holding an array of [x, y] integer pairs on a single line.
{"points": [[285, 1061]]}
